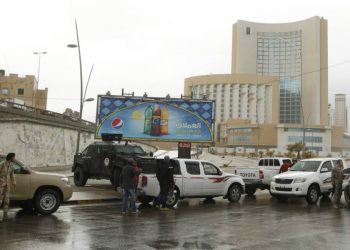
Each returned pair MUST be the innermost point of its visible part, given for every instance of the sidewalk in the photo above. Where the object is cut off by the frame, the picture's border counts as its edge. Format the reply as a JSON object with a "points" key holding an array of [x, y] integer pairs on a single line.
{"points": [[95, 191]]}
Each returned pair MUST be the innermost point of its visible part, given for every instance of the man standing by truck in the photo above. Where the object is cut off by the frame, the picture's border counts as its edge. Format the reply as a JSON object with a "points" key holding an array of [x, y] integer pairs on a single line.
{"points": [[127, 183], [165, 177], [337, 182]]}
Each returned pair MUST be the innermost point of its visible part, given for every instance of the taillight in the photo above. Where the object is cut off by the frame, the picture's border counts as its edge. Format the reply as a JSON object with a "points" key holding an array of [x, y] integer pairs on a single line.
{"points": [[144, 181], [261, 174]]}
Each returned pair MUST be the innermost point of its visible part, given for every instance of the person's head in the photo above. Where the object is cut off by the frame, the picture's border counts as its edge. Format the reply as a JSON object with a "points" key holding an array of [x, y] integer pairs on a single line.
{"points": [[167, 159], [132, 162], [10, 156], [340, 163]]}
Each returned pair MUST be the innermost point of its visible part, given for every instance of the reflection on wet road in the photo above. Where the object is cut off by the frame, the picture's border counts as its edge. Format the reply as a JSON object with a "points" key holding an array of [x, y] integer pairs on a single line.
{"points": [[259, 222]]}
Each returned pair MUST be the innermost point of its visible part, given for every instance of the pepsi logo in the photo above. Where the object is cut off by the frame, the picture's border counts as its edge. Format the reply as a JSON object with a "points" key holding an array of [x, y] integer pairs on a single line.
{"points": [[117, 123]]}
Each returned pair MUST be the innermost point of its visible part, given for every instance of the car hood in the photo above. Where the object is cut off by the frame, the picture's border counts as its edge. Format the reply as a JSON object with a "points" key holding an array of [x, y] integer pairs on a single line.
{"points": [[52, 175], [294, 174]]}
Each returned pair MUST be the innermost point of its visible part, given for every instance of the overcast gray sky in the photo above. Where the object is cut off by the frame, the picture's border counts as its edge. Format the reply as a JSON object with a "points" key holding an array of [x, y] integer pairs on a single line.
{"points": [[147, 46]]}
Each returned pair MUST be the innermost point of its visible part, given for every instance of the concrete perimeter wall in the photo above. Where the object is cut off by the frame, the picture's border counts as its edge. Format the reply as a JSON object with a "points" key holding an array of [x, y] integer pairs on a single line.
{"points": [[41, 145], [41, 138]]}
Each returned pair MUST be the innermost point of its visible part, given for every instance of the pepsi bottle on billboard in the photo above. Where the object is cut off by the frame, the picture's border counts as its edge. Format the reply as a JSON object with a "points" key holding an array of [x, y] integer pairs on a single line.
{"points": [[148, 120], [164, 121], [155, 130]]}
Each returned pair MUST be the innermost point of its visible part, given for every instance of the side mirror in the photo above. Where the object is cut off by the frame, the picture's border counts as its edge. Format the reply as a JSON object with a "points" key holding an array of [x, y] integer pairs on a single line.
{"points": [[324, 170], [220, 172]]}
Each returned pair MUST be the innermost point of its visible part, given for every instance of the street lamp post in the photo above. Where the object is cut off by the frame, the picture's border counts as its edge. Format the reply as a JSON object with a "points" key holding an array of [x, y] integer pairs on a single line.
{"points": [[39, 53], [34, 93], [82, 98]]}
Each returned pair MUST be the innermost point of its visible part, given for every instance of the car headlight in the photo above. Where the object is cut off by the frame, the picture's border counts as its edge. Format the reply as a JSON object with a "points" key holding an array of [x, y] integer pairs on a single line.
{"points": [[65, 179], [273, 179], [299, 180]]}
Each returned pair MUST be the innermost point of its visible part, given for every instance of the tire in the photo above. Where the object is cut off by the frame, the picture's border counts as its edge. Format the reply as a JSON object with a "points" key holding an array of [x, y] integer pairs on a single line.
{"points": [[80, 177], [172, 198], [347, 195], [313, 194], [249, 190], [47, 201], [234, 193]]}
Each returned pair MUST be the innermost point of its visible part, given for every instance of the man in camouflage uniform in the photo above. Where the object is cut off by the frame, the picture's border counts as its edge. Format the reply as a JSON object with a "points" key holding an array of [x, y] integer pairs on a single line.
{"points": [[337, 182], [6, 178]]}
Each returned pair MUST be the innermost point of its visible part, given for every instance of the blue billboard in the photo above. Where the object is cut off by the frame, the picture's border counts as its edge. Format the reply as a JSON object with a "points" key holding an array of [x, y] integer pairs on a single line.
{"points": [[158, 119]]}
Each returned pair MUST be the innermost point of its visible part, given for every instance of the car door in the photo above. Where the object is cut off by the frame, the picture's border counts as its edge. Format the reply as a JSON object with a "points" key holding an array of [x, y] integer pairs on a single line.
{"points": [[23, 181], [94, 160], [325, 176], [213, 181], [193, 179]]}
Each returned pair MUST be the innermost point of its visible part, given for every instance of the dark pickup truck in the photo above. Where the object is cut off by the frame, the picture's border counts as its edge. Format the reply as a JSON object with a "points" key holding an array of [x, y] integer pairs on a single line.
{"points": [[104, 160]]}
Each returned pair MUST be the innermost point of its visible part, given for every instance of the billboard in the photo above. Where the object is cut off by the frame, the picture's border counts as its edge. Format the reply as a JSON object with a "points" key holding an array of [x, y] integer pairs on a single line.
{"points": [[158, 119]]}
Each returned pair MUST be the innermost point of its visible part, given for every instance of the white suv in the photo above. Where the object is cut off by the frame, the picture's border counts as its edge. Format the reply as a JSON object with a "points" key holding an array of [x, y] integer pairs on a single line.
{"points": [[308, 178]]}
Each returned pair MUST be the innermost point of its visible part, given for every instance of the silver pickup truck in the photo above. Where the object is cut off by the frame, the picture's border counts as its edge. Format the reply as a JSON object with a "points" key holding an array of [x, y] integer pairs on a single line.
{"points": [[261, 175]]}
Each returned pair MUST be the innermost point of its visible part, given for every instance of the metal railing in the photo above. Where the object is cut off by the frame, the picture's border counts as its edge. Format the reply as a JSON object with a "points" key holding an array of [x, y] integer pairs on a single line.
{"points": [[16, 106]]}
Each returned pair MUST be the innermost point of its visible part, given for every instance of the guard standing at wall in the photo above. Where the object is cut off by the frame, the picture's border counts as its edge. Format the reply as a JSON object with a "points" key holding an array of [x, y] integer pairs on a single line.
{"points": [[6, 178], [337, 182]]}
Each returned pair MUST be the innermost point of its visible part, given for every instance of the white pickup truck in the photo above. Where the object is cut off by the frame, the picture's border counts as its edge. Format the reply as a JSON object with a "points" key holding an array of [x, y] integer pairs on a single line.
{"points": [[309, 178], [261, 175], [193, 179]]}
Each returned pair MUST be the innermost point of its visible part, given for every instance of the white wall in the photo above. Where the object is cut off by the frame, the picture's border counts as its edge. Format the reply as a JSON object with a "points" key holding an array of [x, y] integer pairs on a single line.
{"points": [[41, 145]]}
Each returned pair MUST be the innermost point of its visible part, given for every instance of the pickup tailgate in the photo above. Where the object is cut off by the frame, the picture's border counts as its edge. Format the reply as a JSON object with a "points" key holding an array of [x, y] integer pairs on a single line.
{"points": [[148, 185], [249, 175]]}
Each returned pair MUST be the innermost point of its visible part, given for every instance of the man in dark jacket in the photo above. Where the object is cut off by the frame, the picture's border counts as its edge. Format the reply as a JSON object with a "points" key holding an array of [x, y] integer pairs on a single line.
{"points": [[165, 177], [127, 183]]}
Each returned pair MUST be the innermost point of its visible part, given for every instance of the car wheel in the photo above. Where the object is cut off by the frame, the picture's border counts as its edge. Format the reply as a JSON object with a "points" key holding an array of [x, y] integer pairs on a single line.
{"points": [[313, 194], [172, 198], [250, 190], [47, 201], [347, 195], [234, 193], [80, 177]]}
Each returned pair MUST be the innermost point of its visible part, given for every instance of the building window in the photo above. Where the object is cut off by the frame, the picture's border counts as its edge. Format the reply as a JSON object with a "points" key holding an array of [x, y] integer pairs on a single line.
{"points": [[20, 91], [5, 91], [247, 30]]}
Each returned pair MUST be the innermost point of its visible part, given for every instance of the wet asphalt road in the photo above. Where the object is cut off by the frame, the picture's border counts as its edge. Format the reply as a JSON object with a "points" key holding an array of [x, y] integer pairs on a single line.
{"points": [[259, 222]]}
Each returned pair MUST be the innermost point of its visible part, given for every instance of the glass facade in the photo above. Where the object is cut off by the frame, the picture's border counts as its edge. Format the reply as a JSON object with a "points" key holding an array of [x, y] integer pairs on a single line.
{"points": [[317, 139], [279, 54], [241, 138]]}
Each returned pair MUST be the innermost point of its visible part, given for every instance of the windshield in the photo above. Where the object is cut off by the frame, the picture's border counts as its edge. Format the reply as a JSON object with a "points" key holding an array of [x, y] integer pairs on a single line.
{"points": [[307, 166], [131, 150]]}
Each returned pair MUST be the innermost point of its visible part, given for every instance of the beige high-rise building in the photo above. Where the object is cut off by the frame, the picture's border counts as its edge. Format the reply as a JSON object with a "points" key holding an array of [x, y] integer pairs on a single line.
{"points": [[295, 57], [296, 53], [340, 112], [13, 87]]}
